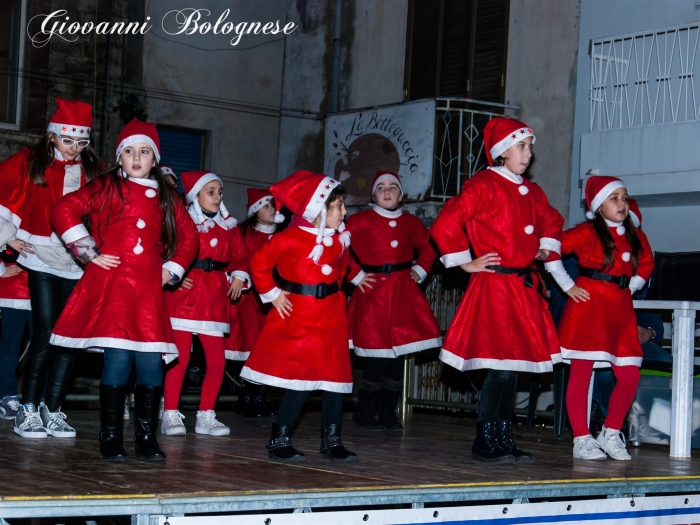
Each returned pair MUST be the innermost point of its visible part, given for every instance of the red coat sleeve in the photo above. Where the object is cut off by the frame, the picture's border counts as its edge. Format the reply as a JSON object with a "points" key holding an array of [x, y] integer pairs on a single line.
{"points": [[448, 229], [426, 252], [645, 262], [239, 264], [262, 263], [353, 267], [186, 240], [549, 223], [68, 212]]}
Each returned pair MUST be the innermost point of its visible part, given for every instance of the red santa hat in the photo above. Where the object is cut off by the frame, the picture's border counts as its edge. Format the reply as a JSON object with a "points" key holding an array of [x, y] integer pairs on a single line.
{"points": [[72, 118], [138, 131], [501, 133], [305, 193], [635, 213], [383, 175], [257, 198], [598, 188], [192, 184]]}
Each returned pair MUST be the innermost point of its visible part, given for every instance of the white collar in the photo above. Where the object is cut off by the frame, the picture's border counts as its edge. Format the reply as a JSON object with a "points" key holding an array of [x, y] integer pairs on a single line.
{"points": [[611, 223], [389, 214], [507, 174], [59, 156], [144, 182], [265, 228], [326, 231]]}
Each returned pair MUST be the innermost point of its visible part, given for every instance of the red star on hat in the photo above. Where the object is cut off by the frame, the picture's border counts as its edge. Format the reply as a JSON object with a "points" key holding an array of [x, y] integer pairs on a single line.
{"points": [[64, 128], [513, 135], [323, 195], [328, 187], [522, 132], [74, 130], [82, 131]]}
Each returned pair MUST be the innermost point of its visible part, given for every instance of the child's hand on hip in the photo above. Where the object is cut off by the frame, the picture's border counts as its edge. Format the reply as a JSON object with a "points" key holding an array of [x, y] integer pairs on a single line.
{"points": [[283, 305], [578, 294], [480, 264], [234, 291], [542, 254], [415, 276], [365, 282], [106, 261], [187, 283], [11, 272]]}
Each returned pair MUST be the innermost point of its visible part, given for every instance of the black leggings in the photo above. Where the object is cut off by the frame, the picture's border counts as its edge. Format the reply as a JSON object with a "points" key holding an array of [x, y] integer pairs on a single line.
{"points": [[48, 294], [293, 401], [497, 396], [378, 369]]}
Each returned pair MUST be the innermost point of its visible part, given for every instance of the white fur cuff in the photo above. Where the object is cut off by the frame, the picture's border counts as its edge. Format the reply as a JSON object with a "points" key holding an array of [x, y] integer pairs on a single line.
{"points": [[270, 296], [456, 259], [361, 275], [421, 272], [553, 245]]}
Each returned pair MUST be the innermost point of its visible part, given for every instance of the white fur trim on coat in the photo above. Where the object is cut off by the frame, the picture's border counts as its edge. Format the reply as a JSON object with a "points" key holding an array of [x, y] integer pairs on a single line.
{"points": [[295, 384], [457, 362], [101, 343]]}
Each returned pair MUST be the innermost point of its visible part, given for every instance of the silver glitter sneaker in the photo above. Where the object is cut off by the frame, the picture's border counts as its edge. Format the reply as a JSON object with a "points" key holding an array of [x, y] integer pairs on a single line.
{"points": [[55, 423], [208, 424], [28, 423]]}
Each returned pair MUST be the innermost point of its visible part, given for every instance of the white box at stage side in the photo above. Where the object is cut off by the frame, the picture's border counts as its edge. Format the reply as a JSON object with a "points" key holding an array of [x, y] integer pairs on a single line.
{"points": [[398, 138]]}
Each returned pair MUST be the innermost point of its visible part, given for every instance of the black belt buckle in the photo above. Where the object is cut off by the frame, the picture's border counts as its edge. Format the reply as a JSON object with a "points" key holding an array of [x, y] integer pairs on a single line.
{"points": [[624, 281], [208, 264], [321, 291], [388, 268]]}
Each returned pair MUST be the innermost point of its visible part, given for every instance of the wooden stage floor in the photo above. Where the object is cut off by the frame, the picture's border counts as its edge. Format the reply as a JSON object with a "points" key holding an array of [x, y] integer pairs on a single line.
{"points": [[433, 453]]}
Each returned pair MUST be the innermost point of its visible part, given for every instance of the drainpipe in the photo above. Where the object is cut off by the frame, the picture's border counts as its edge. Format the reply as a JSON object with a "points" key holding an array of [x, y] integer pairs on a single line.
{"points": [[337, 41]]}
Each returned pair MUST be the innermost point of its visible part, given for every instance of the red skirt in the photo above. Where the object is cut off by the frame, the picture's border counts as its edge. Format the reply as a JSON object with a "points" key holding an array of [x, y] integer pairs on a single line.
{"points": [[604, 328], [501, 324], [393, 319], [246, 317]]}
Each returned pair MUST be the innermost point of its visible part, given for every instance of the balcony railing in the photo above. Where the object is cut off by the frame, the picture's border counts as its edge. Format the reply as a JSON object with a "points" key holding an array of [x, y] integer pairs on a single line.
{"points": [[459, 141], [645, 78]]}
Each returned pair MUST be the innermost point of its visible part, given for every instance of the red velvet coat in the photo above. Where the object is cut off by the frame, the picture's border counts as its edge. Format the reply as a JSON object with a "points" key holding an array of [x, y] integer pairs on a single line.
{"points": [[28, 205], [500, 323], [394, 317], [204, 307], [309, 349], [603, 328], [14, 291], [123, 307], [246, 315]]}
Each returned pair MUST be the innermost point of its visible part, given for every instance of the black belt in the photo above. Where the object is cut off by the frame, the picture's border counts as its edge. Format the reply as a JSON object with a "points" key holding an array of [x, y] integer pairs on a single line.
{"points": [[319, 291], [522, 272], [387, 268], [209, 265], [623, 281]]}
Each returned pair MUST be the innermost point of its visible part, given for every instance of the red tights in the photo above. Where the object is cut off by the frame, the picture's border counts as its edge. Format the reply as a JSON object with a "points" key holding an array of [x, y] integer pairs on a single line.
{"points": [[620, 400], [214, 354]]}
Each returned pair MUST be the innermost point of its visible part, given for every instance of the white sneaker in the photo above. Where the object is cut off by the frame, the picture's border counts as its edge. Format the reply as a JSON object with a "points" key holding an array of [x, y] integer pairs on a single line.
{"points": [[172, 424], [613, 442], [127, 415], [586, 447], [55, 423], [208, 424], [28, 423]]}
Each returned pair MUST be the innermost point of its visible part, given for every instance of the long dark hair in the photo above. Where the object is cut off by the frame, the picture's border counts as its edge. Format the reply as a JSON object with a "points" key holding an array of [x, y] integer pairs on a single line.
{"points": [[608, 244], [42, 157], [167, 197]]}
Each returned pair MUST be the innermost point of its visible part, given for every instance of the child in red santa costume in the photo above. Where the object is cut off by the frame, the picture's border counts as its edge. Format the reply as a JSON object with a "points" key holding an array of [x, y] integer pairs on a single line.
{"points": [[248, 313], [503, 323], [599, 327], [30, 183], [15, 316], [140, 238], [380, 325], [200, 304], [304, 343]]}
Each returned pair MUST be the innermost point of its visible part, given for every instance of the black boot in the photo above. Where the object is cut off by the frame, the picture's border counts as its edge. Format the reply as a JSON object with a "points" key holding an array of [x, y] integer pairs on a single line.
{"points": [[367, 397], [146, 405], [252, 401], [486, 447], [332, 446], [280, 448], [388, 399], [112, 429], [506, 441]]}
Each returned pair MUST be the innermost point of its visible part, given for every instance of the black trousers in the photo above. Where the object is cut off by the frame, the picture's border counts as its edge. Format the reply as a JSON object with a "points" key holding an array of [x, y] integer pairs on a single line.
{"points": [[48, 367], [497, 396], [293, 401]]}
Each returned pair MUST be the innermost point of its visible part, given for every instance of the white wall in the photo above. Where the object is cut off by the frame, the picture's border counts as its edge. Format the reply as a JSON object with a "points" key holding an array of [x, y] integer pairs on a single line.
{"points": [[670, 228]]}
